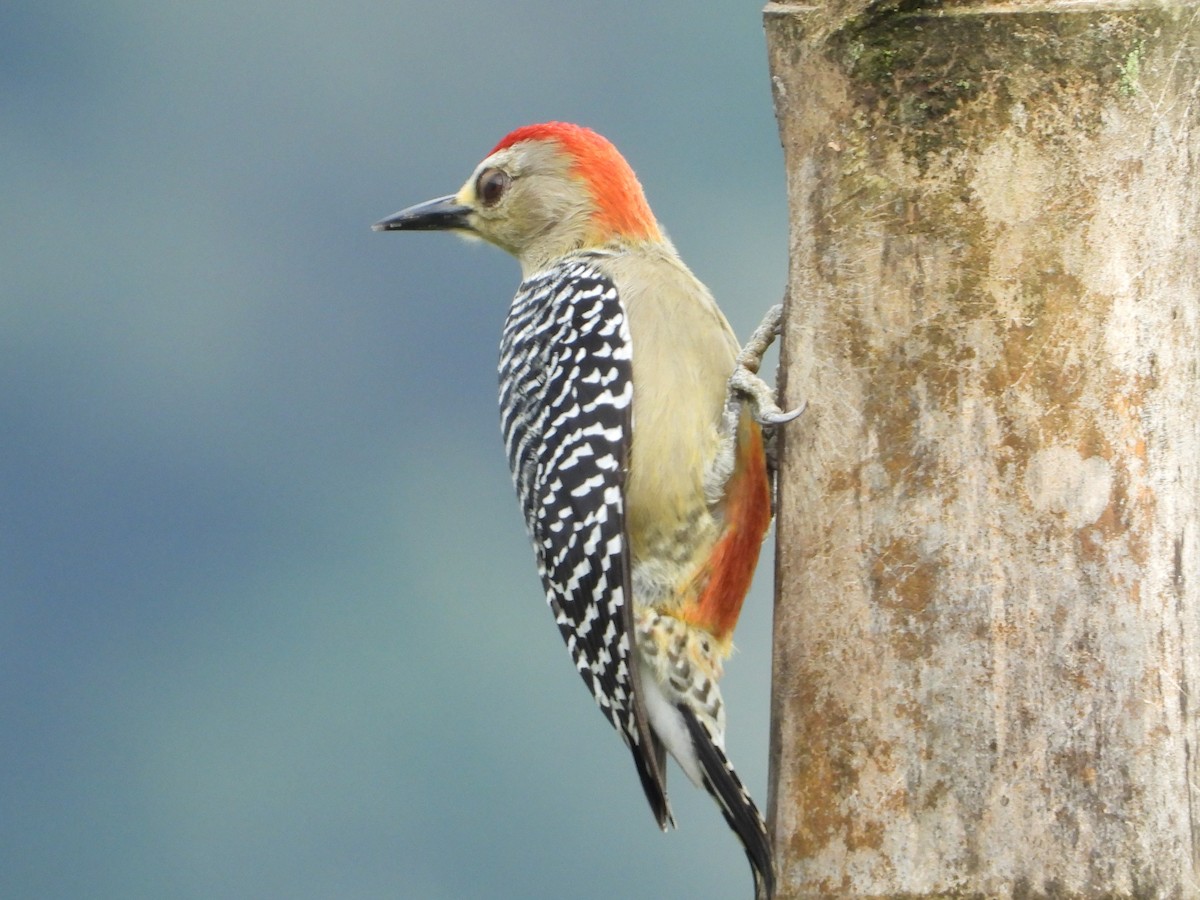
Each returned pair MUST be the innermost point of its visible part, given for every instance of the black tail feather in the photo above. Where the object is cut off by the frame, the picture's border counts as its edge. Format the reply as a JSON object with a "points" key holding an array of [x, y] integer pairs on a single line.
{"points": [[656, 793], [737, 807]]}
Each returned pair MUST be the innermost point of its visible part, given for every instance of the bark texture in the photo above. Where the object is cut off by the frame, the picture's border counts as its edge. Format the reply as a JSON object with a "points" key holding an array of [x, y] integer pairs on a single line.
{"points": [[987, 647]]}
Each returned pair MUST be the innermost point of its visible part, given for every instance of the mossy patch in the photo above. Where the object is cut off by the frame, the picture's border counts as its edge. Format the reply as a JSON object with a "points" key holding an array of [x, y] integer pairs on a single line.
{"points": [[918, 64]]}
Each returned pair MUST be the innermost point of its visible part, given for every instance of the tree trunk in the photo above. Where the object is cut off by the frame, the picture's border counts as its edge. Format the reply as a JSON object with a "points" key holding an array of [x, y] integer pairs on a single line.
{"points": [[987, 644]]}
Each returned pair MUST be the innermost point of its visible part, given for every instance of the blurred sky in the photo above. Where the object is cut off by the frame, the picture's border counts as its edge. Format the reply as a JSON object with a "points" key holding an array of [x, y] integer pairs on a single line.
{"points": [[269, 621]]}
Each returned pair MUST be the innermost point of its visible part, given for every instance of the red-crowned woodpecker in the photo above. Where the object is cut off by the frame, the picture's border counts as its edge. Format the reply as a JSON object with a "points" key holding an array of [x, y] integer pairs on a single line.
{"points": [[641, 476]]}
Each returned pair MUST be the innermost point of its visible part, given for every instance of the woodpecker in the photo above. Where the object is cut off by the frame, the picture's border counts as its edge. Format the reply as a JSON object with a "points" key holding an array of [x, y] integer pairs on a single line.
{"points": [[632, 424]]}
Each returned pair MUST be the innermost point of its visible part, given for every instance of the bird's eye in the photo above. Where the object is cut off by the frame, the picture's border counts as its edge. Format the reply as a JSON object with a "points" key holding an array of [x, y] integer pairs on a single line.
{"points": [[491, 186]]}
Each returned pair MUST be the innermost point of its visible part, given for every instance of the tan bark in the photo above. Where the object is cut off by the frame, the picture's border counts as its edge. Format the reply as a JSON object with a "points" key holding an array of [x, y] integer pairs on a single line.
{"points": [[987, 647]]}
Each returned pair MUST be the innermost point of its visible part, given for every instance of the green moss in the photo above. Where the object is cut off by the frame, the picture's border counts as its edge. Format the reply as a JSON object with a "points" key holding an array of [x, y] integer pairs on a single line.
{"points": [[1131, 70], [915, 66]]}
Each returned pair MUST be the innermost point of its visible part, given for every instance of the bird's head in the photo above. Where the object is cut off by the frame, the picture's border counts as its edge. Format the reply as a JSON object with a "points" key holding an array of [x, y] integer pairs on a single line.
{"points": [[543, 191]]}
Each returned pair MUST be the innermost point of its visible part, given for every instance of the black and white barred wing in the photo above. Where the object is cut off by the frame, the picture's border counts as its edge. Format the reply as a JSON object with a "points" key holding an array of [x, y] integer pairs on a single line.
{"points": [[566, 399], [566, 396]]}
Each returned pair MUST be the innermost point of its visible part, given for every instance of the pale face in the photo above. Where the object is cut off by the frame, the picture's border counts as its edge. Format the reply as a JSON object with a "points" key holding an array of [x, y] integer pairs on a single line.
{"points": [[527, 200]]}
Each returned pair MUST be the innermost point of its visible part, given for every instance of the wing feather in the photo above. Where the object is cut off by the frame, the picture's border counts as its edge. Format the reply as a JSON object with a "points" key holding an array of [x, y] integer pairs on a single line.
{"points": [[566, 400]]}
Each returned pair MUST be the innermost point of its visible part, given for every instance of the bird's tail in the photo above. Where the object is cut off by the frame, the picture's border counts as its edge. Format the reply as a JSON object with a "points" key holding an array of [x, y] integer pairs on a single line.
{"points": [[739, 810], [654, 777]]}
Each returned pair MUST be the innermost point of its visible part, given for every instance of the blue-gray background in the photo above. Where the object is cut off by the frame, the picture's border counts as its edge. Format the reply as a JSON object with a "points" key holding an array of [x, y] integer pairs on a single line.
{"points": [[269, 624]]}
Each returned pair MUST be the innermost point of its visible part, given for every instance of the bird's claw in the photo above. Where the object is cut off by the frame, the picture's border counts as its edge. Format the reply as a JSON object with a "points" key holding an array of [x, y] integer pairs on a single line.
{"points": [[780, 417], [745, 383]]}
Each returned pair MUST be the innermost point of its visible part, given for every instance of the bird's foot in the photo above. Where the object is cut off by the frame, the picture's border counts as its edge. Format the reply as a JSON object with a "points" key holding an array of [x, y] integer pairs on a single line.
{"points": [[745, 384]]}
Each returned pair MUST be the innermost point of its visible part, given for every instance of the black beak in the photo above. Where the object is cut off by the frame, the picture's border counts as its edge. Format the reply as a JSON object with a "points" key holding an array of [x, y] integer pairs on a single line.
{"points": [[432, 215]]}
